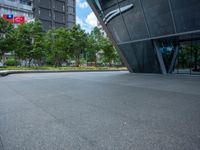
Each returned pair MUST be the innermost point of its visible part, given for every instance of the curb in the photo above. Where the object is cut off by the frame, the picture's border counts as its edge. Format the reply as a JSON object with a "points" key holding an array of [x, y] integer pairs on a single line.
{"points": [[5, 73]]}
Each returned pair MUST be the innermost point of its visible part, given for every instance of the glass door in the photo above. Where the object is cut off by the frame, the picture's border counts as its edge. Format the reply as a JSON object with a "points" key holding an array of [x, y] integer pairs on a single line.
{"points": [[188, 61]]}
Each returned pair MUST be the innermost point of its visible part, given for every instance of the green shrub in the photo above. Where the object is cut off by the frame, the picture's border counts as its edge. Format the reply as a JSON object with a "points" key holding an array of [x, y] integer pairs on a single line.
{"points": [[11, 62]]}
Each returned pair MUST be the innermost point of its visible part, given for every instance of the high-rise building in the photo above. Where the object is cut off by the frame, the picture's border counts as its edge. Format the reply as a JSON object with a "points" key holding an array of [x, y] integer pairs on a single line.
{"points": [[17, 8], [55, 13], [150, 34], [51, 13]]}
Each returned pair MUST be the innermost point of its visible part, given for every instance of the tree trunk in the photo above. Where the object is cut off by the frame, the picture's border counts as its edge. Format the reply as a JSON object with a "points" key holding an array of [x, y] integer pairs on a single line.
{"points": [[56, 63], [195, 59], [110, 63], [39, 62], [25, 63], [29, 62], [95, 62], [77, 62]]}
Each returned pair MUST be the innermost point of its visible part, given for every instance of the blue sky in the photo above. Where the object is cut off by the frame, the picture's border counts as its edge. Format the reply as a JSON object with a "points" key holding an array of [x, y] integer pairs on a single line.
{"points": [[84, 15]]}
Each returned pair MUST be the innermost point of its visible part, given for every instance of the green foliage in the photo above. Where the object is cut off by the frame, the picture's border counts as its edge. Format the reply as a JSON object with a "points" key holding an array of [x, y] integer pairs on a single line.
{"points": [[57, 41], [78, 43], [5, 28], [100, 45], [38, 41], [83, 61], [28, 42], [61, 68], [109, 51], [11, 62], [94, 44], [24, 46], [189, 56]]}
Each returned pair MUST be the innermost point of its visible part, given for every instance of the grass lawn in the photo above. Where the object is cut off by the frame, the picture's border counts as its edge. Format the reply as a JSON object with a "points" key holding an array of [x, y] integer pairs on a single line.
{"points": [[62, 68]]}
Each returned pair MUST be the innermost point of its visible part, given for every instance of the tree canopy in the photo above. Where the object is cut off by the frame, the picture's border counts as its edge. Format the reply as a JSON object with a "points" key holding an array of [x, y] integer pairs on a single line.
{"points": [[31, 44]]}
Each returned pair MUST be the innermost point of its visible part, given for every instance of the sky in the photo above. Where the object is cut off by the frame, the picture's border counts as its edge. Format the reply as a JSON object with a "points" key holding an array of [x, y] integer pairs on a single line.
{"points": [[84, 15]]}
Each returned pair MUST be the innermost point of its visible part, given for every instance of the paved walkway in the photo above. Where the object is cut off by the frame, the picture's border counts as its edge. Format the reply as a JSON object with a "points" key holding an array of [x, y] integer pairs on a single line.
{"points": [[99, 111]]}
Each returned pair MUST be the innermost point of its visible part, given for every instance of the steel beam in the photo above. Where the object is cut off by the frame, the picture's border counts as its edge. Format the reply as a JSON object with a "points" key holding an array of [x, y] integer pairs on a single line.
{"points": [[160, 58], [173, 62]]}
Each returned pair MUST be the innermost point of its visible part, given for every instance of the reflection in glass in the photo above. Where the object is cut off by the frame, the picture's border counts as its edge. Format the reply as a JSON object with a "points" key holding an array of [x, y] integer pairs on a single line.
{"points": [[141, 57], [167, 50], [188, 61]]}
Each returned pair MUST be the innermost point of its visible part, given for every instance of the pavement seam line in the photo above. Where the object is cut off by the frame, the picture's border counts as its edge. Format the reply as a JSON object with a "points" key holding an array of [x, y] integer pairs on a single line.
{"points": [[1, 143]]}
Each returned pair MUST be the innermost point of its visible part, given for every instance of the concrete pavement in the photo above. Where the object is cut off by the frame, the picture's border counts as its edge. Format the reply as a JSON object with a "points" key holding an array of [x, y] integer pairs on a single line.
{"points": [[99, 111]]}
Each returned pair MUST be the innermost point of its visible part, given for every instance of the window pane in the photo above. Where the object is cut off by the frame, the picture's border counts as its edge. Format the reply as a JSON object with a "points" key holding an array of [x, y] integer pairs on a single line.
{"points": [[134, 19], [186, 14], [158, 17]]}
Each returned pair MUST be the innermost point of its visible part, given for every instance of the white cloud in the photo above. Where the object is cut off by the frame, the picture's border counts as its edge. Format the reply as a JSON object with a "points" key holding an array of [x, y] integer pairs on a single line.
{"points": [[83, 24], [91, 20], [82, 4], [87, 24]]}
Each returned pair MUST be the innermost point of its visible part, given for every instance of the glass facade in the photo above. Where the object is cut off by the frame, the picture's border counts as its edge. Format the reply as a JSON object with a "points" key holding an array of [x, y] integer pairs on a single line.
{"points": [[167, 50], [188, 59], [148, 32]]}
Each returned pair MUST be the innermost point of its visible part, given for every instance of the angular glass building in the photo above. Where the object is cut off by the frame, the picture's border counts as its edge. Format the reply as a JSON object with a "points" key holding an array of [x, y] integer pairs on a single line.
{"points": [[148, 33]]}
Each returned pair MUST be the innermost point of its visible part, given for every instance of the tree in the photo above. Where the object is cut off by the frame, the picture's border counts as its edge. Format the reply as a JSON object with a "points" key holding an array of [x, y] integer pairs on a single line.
{"points": [[58, 45], [190, 50], [109, 51], [5, 28], [94, 42], [78, 43], [92, 49], [38, 41], [24, 42], [29, 42]]}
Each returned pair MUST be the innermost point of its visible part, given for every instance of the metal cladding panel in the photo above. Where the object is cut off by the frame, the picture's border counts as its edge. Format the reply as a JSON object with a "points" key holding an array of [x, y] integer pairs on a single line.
{"points": [[186, 15], [135, 23], [159, 17], [148, 18], [107, 4], [117, 26]]}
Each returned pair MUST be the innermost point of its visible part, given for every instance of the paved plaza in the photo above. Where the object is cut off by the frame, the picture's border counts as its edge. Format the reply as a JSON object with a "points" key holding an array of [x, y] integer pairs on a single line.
{"points": [[99, 111]]}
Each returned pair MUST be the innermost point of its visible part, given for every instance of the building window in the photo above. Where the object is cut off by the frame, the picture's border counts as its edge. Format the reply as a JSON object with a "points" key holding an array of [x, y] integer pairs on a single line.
{"points": [[25, 2], [12, 0]]}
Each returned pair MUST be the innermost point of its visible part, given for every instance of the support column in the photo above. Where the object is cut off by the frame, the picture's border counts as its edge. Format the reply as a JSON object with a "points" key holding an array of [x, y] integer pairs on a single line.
{"points": [[160, 58], [173, 62]]}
